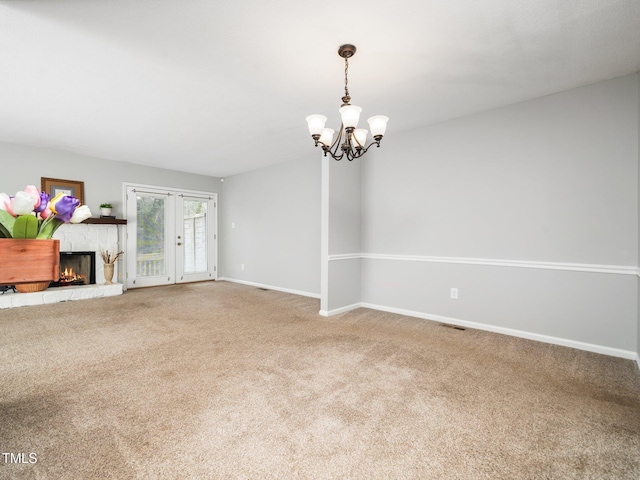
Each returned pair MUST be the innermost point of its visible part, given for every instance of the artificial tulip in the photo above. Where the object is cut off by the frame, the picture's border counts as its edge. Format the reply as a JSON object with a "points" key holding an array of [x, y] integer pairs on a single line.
{"points": [[4, 201], [63, 206], [23, 203], [31, 214], [80, 214], [44, 203]]}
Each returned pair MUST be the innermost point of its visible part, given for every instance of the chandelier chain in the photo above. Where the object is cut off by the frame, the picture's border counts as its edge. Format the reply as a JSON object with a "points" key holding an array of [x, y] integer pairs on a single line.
{"points": [[346, 80]]}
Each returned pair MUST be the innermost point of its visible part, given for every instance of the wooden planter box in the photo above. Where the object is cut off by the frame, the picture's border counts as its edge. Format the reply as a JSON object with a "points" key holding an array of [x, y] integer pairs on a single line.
{"points": [[28, 261]]}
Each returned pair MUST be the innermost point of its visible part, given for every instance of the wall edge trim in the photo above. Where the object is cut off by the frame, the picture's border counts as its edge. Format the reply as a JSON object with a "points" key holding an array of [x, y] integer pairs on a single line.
{"points": [[338, 311], [269, 287], [573, 267], [345, 256], [578, 345]]}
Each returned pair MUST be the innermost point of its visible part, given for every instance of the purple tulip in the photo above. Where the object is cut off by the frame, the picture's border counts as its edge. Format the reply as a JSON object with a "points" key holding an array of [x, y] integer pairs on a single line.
{"points": [[44, 201], [63, 206]]}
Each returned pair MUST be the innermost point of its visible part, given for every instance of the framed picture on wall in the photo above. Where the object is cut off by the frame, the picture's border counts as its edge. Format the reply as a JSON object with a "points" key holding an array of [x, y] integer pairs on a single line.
{"points": [[54, 186]]}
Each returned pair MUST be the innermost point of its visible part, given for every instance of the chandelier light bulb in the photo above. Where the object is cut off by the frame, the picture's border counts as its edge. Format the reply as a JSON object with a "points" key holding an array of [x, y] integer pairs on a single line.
{"points": [[316, 123], [360, 135], [378, 125], [350, 115], [326, 138]]}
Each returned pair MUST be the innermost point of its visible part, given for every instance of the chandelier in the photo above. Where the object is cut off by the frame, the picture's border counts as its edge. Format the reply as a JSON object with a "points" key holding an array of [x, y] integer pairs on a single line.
{"points": [[351, 140]]}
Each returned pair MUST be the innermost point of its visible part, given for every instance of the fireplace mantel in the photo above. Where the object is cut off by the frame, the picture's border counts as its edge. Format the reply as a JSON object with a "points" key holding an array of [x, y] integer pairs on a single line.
{"points": [[106, 221]]}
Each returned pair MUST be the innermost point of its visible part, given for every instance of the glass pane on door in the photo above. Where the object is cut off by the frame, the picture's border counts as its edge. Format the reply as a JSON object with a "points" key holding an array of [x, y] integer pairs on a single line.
{"points": [[150, 236], [194, 216]]}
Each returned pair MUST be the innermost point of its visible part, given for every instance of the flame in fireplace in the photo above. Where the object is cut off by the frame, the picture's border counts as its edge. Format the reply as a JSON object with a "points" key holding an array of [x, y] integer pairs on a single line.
{"points": [[68, 276]]}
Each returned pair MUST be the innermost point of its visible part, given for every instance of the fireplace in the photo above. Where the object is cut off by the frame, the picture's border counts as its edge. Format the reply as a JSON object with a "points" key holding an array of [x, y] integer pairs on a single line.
{"points": [[76, 268]]}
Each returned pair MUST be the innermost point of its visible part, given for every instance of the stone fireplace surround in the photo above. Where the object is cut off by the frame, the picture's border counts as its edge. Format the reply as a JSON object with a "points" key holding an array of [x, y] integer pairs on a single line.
{"points": [[77, 238]]}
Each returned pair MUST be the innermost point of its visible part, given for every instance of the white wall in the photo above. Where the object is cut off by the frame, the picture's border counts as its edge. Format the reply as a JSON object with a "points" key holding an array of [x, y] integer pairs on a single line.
{"points": [[276, 213], [23, 165], [512, 206]]}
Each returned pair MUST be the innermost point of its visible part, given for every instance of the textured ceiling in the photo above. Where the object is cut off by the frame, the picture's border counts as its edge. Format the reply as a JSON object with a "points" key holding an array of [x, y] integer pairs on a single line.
{"points": [[222, 87]]}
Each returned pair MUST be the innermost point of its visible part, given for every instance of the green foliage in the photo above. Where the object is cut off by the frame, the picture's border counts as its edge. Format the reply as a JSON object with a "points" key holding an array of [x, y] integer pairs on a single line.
{"points": [[193, 208], [48, 228], [25, 226], [151, 227], [6, 224], [106, 205]]}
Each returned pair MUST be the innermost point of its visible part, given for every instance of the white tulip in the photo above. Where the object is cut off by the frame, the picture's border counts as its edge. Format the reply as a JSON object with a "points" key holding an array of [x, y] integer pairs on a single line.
{"points": [[4, 198], [23, 203], [80, 214]]}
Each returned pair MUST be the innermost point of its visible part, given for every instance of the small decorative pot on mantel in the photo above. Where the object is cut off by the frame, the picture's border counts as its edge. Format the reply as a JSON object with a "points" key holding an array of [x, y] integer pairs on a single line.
{"points": [[105, 209]]}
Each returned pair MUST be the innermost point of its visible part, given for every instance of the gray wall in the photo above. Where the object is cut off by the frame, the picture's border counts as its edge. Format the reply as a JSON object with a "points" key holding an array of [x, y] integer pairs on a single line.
{"points": [[344, 206], [552, 180], [344, 213], [276, 212], [23, 165]]}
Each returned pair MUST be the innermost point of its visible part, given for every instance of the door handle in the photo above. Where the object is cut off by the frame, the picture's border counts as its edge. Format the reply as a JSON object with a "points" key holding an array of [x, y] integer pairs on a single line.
{"points": [[179, 243]]}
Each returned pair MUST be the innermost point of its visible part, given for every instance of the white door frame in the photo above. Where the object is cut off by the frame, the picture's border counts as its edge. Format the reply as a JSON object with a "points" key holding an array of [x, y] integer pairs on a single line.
{"points": [[172, 192]]}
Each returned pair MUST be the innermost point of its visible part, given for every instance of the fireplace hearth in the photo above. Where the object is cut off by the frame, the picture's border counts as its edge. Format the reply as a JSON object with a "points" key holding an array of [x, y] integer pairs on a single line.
{"points": [[76, 268]]}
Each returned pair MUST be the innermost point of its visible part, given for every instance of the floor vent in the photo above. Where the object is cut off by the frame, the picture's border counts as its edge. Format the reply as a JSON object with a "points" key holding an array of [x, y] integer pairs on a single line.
{"points": [[454, 327], [263, 289]]}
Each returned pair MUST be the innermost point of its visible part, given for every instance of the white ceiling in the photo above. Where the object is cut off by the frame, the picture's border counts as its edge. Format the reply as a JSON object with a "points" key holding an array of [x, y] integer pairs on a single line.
{"points": [[219, 87]]}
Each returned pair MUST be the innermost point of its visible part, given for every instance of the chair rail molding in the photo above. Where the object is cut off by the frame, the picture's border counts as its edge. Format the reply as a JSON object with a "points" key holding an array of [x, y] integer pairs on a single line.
{"points": [[575, 267]]}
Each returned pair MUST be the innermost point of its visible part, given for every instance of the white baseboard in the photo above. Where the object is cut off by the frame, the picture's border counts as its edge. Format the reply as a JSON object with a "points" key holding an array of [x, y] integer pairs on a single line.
{"points": [[338, 311], [589, 347], [270, 287]]}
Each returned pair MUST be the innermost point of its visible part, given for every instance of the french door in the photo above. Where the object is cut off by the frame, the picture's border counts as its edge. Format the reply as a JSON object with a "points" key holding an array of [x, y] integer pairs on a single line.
{"points": [[171, 236]]}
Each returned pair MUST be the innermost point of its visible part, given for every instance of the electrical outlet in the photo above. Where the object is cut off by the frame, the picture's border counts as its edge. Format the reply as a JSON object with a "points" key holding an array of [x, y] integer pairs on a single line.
{"points": [[242, 266], [454, 293]]}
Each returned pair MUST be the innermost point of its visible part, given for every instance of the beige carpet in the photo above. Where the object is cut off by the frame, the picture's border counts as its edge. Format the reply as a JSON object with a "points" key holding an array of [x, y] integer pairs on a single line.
{"points": [[219, 380]]}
